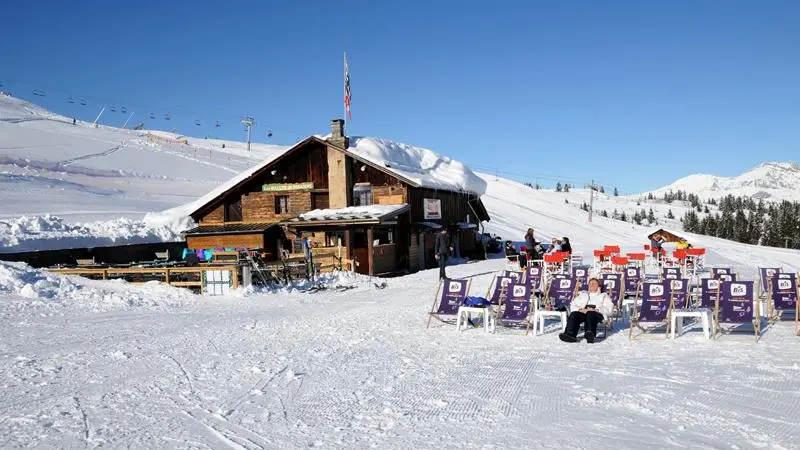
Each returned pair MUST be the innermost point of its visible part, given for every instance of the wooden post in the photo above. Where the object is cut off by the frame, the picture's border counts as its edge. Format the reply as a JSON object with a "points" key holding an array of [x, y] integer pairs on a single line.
{"points": [[347, 244], [166, 276], [235, 277], [370, 256]]}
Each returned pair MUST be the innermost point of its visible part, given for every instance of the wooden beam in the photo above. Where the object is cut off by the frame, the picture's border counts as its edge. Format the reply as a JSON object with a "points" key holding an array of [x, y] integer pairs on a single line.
{"points": [[370, 256], [347, 242]]}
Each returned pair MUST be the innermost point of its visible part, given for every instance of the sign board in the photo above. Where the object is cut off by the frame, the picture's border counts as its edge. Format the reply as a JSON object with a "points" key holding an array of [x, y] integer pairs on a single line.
{"points": [[217, 282], [432, 208], [281, 187]]}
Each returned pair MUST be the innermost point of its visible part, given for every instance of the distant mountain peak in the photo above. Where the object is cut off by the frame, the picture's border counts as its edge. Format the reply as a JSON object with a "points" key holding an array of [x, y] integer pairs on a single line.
{"points": [[772, 180]]}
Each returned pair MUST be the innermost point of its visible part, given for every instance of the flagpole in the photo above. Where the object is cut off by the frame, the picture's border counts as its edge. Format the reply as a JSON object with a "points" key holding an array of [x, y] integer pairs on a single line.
{"points": [[344, 92]]}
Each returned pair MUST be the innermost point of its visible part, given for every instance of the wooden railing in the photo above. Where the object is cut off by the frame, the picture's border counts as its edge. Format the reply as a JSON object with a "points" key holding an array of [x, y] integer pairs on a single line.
{"points": [[188, 277]]}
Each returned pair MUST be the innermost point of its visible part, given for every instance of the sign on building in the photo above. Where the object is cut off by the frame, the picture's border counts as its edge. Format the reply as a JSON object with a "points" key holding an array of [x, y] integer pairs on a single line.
{"points": [[432, 208], [280, 187]]}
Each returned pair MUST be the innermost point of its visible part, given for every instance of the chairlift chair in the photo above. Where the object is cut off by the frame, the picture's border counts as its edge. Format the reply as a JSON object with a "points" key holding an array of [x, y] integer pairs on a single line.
{"points": [[217, 124], [152, 116], [71, 100], [39, 93], [113, 109], [83, 102], [197, 122], [167, 116], [269, 133], [124, 110]]}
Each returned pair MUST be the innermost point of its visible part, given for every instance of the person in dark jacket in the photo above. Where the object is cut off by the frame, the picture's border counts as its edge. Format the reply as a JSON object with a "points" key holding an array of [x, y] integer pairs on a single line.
{"points": [[442, 249], [531, 245], [565, 247]]}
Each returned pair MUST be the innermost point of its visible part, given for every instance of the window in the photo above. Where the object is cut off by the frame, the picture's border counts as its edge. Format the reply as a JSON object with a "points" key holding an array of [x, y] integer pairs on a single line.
{"points": [[233, 210], [362, 194], [281, 204]]}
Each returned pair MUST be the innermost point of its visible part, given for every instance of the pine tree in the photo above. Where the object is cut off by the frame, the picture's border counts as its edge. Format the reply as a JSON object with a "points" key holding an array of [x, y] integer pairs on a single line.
{"points": [[615, 214], [650, 196], [537, 186], [651, 218], [670, 215], [638, 203], [566, 188], [637, 218], [623, 217], [705, 209], [566, 201], [616, 192], [558, 186], [602, 190], [740, 227], [604, 213]]}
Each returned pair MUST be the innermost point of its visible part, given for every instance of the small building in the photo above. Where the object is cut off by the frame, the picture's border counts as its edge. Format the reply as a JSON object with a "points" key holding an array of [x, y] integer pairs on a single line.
{"points": [[370, 200], [666, 234]]}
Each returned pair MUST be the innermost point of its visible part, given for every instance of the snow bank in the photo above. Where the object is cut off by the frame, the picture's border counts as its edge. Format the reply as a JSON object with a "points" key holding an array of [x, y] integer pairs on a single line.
{"points": [[419, 165], [51, 232], [25, 287], [352, 212]]}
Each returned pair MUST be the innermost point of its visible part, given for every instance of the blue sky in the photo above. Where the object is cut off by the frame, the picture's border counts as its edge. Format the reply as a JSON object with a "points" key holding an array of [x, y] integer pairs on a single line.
{"points": [[631, 93]]}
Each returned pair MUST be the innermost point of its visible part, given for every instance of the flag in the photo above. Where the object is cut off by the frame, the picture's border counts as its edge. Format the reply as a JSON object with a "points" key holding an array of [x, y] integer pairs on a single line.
{"points": [[347, 89]]}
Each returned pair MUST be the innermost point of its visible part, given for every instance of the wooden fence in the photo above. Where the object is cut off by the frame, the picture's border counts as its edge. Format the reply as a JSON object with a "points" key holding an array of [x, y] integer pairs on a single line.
{"points": [[188, 277]]}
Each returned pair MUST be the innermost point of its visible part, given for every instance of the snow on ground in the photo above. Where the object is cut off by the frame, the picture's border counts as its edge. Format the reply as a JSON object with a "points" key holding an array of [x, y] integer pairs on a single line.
{"points": [[359, 369]]}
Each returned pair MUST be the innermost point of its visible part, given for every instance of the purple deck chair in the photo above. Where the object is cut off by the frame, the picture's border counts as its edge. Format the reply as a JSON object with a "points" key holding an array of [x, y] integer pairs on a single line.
{"points": [[517, 276], [717, 271], [500, 289], [449, 297], [737, 305], [782, 295], [633, 277], [708, 293], [679, 293], [581, 275], [654, 310], [766, 274], [561, 291], [612, 283], [533, 279], [671, 273], [517, 306], [729, 277]]}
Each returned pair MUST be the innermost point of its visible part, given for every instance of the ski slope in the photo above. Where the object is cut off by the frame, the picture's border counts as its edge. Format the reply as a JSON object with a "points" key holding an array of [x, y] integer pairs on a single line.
{"points": [[92, 364]]}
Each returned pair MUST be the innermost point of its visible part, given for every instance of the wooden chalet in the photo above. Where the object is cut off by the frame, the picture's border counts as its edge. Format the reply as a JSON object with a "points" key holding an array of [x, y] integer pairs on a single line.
{"points": [[350, 206]]}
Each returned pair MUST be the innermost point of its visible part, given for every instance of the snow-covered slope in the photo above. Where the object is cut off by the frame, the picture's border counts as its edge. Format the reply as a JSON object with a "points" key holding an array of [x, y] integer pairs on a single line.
{"points": [[771, 181]]}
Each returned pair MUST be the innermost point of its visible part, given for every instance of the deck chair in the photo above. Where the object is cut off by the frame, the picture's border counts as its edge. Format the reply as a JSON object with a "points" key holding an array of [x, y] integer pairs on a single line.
{"points": [[782, 296], [654, 311], [670, 273], [679, 293], [558, 295], [633, 277], [517, 307], [533, 279], [736, 305], [766, 274], [709, 287], [717, 271], [581, 275], [449, 297], [729, 277], [498, 288], [612, 283], [515, 274]]}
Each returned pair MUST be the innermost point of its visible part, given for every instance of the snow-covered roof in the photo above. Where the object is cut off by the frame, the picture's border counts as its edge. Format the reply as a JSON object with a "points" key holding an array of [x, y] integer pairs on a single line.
{"points": [[351, 213], [420, 166]]}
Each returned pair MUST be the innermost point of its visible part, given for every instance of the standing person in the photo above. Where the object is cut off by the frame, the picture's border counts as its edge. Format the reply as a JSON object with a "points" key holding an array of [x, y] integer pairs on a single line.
{"points": [[589, 308], [442, 249], [309, 257], [531, 246]]}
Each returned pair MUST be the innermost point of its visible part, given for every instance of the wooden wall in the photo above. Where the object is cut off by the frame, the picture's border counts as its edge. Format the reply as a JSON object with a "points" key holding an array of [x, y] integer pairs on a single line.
{"points": [[384, 258], [216, 216], [259, 207], [255, 240], [455, 206], [371, 175], [389, 195], [309, 163], [413, 253]]}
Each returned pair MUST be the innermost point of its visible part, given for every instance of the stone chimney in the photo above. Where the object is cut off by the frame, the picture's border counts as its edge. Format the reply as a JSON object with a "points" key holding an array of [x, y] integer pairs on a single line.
{"points": [[337, 134]]}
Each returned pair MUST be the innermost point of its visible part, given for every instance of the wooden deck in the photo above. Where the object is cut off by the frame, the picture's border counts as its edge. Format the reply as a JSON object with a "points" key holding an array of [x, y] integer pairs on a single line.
{"points": [[188, 277]]}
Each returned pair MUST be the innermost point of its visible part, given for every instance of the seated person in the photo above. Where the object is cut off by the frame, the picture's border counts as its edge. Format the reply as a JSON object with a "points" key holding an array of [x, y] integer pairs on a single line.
{"points": [[589, 308], [510, 250], [555, 246]]}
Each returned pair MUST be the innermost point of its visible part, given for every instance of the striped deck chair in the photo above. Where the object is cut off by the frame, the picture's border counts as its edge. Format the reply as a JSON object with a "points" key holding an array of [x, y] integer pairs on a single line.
{"points": [[737, 305], [654, 311], [517, 307], [612, 283], [782, 295], [449, 297], [499, 288]]}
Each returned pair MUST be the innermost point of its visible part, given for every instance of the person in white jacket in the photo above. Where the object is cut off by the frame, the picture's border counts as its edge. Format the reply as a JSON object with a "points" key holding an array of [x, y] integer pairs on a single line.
{"points": [[589, 308]]}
